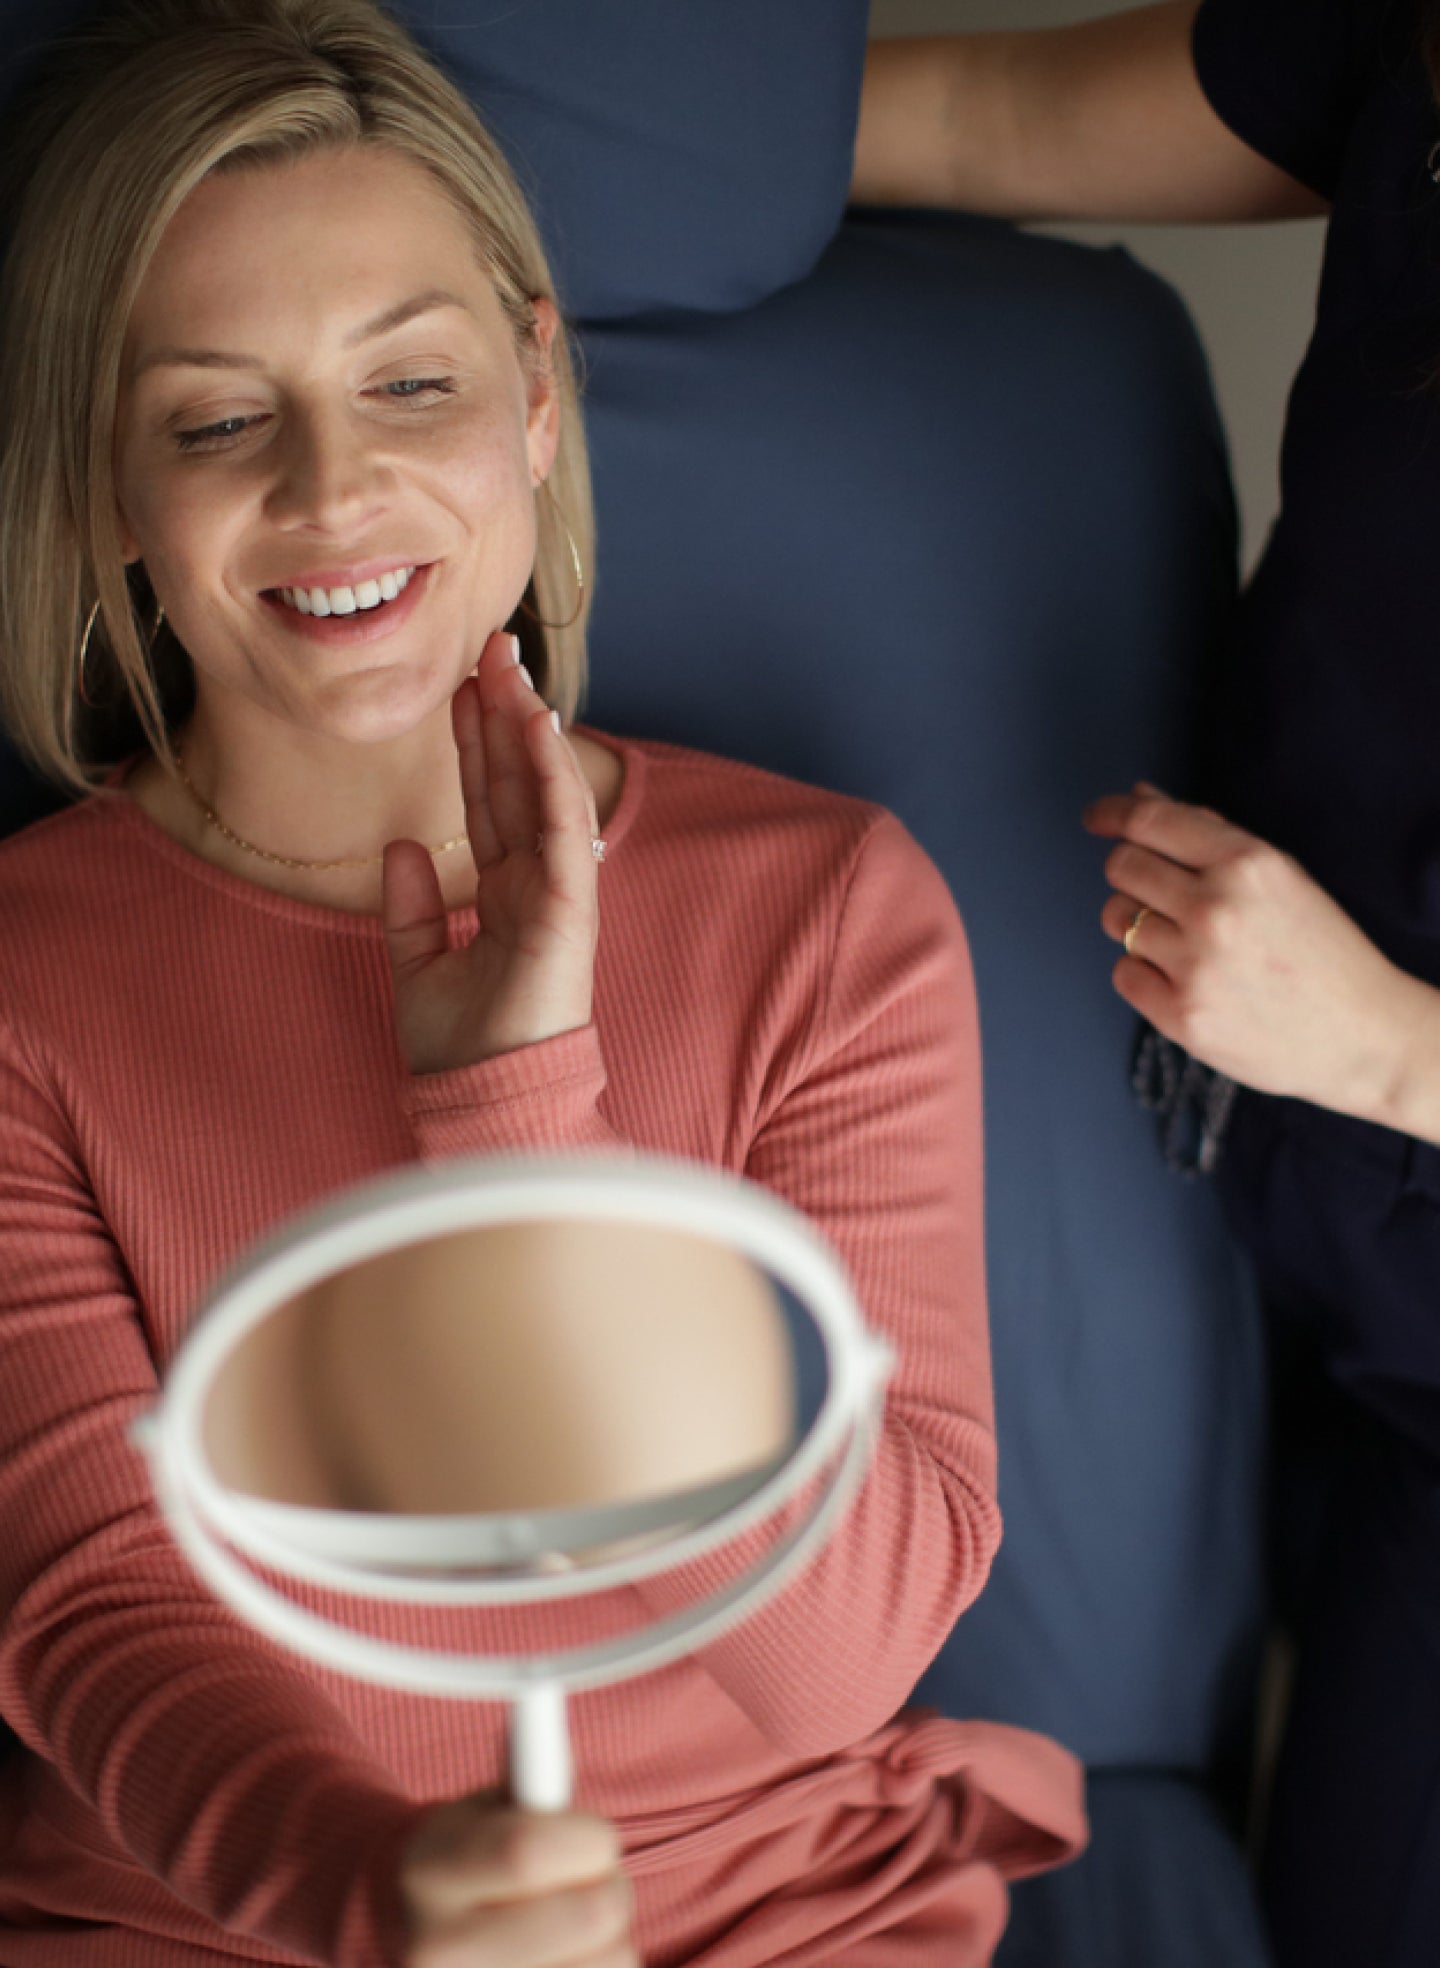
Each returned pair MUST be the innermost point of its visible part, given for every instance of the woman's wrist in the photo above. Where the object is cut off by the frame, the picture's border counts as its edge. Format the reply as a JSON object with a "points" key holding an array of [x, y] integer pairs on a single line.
{"points": [[1398, 1082]]}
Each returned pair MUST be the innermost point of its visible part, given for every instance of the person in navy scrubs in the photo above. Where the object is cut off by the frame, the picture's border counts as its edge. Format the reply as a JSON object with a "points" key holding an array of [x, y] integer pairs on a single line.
{"points": [[1290, 937]]}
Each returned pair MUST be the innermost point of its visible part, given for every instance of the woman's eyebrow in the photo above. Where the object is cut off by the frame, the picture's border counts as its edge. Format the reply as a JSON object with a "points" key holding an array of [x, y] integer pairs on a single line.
{"points": [[393, 317]]}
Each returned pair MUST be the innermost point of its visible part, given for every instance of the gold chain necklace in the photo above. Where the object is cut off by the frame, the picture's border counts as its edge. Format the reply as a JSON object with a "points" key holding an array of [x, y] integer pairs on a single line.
{"points": [[284, 860]]}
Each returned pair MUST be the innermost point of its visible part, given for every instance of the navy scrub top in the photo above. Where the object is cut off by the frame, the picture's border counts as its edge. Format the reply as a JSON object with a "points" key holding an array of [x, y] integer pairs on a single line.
{"points": [[1327, 738]]}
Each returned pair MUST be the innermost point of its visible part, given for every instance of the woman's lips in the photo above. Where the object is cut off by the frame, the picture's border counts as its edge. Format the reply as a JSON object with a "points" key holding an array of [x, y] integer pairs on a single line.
{"points": [[365, 625]]}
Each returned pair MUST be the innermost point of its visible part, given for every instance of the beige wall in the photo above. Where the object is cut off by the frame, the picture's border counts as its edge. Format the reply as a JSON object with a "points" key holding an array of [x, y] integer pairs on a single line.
{"points": [[1251, 289]]}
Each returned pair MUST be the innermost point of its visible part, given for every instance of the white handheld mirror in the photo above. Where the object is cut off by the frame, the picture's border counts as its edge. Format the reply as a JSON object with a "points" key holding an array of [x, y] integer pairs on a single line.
{"points": [[509, 1383]]}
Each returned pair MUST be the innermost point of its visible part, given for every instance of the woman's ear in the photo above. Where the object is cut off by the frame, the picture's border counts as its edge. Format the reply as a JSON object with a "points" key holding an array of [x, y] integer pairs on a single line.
{"points": [[542, 423], [129, 545]]}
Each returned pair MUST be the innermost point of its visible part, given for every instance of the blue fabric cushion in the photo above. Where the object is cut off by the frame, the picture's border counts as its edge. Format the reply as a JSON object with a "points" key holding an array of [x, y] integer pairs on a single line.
{"points": [[676, 155], [1163, 1885]]}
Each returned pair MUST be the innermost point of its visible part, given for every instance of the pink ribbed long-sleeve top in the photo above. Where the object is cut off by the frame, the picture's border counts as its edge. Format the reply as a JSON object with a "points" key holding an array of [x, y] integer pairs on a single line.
{"points": [[186, 1059]]}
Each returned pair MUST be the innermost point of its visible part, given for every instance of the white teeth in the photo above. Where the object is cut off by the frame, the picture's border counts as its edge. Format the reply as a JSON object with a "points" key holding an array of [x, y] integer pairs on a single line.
{"points": [[347, 601]]}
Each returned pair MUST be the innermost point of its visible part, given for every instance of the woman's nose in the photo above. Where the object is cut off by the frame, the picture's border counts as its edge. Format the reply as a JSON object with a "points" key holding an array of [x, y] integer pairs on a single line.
{"points": [[330, 475]]}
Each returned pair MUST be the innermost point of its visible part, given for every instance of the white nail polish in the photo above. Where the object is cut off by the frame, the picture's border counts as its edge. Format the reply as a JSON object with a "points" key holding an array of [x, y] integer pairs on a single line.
{"points": [[529, 680], [514, 649], [555, 720]]}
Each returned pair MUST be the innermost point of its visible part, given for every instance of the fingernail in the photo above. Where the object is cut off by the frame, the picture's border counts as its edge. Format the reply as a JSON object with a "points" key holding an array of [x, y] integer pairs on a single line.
{"points": [[555, 720], [514, 649], [529, 680], [1151, 792]]}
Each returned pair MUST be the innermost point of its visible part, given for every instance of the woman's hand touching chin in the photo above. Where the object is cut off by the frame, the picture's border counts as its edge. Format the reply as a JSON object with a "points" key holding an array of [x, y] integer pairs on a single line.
{"points": [[1237, 955], [527, 974]]}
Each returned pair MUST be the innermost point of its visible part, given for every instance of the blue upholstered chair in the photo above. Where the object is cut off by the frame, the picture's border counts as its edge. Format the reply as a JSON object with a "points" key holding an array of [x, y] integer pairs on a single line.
{"points": [[937, 512]]}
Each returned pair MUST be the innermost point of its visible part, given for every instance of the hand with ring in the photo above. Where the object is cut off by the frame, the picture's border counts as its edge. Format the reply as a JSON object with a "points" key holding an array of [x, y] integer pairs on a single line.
{"points": [[528, 972], [1232, 951]]}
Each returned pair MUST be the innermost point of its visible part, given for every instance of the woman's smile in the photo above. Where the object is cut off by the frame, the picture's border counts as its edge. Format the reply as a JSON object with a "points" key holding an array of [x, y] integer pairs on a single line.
{"points": [[342, 594], [350, 612]]}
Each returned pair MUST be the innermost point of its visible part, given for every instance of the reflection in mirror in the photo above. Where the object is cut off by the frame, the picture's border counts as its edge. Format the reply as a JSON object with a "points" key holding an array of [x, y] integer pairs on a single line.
{"points": [[564, 1366]]}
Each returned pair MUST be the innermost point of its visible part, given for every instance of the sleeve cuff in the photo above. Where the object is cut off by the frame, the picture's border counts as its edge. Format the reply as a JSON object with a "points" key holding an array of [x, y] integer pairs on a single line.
{"points": [[539, 1097]]}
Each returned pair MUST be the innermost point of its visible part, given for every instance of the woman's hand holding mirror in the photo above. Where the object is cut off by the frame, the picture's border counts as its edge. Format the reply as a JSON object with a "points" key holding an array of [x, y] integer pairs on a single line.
{"points": [[481, 1881], [527, 974]]}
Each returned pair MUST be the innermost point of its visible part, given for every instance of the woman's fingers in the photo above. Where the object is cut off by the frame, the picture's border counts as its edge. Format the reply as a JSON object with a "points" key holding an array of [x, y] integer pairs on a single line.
{"points": [[412, 908], [1191, 836], [1182, 862], [1148, 990], [468, 723], [567, 806], [535, 790], [1153, 881], [485, 1882], [570, 1927], [1148, 935], [477, 1849], [510, 700]]}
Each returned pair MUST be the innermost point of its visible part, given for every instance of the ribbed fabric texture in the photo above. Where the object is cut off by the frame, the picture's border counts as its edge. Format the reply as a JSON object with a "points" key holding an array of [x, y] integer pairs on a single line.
{"points": [[186, 1060]]}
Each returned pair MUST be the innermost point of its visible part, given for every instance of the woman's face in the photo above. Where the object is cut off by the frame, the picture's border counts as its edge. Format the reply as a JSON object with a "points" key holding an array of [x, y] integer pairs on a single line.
{"points": [[320, 391]]}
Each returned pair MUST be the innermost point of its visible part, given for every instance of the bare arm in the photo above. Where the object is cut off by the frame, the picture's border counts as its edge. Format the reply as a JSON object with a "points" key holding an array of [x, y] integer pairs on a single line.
{"points": [[1105, 120]]}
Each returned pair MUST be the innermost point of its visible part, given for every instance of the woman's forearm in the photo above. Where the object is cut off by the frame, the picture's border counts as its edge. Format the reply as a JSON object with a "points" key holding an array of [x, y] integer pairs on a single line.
{"points": [[1104, 120]]}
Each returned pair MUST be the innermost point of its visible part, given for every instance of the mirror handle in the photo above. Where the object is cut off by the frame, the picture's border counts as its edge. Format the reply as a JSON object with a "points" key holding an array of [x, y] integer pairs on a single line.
{"points": [[541, 1774]]}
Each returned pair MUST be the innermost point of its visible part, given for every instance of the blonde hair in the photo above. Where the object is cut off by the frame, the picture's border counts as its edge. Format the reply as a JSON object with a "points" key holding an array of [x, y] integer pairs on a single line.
{"points": [[137, 108]]}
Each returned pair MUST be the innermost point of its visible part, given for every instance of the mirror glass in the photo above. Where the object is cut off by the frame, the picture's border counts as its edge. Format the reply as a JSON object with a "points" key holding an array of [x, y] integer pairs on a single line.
{"points": [[522, 1397]]}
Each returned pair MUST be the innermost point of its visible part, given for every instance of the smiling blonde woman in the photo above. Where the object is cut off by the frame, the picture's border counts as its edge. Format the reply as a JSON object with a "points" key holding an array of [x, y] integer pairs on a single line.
{"points": [[124, 134], [294, 459]]}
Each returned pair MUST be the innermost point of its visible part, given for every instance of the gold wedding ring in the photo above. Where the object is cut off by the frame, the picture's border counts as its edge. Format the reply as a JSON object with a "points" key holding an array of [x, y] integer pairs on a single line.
{"points": [[1133, 931]]}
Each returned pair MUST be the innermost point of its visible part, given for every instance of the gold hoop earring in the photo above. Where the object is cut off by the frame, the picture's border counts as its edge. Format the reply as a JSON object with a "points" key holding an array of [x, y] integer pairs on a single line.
{"points": [[85, 697], [575, 562]]}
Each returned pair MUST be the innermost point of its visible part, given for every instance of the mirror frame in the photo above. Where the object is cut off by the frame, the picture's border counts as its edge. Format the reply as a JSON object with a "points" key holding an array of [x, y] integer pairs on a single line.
{"points": [[444, 1199]]}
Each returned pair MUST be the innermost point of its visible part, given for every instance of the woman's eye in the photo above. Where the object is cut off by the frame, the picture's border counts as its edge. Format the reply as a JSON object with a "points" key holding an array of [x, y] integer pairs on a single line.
{"points": [[409, 387], [227, 427]]}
